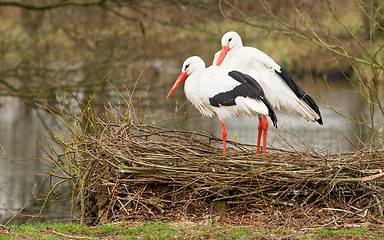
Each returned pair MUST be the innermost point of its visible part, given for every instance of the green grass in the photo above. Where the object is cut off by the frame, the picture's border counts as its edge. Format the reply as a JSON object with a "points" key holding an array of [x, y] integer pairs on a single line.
{"points": [[351, 233], [169, 230], [158, 230]]}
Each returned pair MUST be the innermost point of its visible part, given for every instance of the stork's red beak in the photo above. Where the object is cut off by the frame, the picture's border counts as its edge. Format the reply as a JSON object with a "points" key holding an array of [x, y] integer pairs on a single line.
{"points": [[223, 53], [179, 80]]}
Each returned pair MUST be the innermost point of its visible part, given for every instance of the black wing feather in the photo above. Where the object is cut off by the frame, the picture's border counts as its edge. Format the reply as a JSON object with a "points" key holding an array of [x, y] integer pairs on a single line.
{"points": [[249, 87], [300, 93]]}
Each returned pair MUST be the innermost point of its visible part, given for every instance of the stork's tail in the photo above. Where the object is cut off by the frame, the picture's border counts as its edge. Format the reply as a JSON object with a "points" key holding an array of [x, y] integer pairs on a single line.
{"points": [[271, 112]]}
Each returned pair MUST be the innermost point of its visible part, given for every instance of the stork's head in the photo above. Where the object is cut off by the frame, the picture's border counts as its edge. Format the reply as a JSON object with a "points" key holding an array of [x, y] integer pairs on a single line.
{"points": [[231, 40], [191, 65]]}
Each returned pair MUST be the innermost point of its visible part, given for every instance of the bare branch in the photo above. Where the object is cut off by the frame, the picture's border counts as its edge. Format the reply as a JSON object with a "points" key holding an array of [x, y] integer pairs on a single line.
{"points": [[53, 5]]}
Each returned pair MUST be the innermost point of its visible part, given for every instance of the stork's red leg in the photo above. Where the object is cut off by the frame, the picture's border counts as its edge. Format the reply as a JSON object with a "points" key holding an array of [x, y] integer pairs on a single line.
{"points": [[223, 136], [265, 129], [259, 131]]}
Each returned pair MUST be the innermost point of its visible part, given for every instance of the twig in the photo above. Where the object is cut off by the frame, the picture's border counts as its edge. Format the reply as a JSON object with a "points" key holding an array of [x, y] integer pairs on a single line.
{"points": [[71, 236]]}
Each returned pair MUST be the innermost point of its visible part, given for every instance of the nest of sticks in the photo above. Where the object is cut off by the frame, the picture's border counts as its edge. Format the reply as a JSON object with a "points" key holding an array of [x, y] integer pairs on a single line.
{"points": [[121, 168], [146, 172]]}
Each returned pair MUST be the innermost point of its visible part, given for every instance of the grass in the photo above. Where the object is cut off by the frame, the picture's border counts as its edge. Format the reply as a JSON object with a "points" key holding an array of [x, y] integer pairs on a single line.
{"points": [[354, 233], [173, 230]]}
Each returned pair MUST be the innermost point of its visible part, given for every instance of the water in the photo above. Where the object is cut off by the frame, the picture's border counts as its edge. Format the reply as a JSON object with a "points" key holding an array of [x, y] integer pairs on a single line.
{"points": [[20, 124]]}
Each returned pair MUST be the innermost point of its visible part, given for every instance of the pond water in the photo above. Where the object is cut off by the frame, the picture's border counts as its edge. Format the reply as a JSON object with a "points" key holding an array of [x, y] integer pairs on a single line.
{"points": [[20, 125]]}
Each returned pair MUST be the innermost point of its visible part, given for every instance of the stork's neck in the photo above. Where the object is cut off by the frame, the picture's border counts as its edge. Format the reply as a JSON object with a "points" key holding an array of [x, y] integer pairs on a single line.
{"points": [[196, 73], [237, 45]]}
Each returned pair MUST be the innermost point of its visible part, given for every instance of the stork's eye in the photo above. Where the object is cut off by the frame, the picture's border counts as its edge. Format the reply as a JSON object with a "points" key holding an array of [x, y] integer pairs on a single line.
{"points": [[186, 67], [229, 40]]}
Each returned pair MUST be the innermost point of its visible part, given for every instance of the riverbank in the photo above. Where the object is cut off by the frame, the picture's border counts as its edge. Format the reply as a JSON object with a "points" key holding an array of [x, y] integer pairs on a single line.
{"points": [[183, 230]]}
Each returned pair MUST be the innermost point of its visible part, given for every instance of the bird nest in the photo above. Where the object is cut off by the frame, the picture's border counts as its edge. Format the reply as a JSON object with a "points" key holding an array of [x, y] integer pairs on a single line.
{"points": [[122, 168], [151, 172]]}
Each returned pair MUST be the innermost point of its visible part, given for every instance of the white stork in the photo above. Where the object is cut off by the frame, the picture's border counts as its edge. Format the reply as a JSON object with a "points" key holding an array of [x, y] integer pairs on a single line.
{"points": [[222, 91], [279, 87]]}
